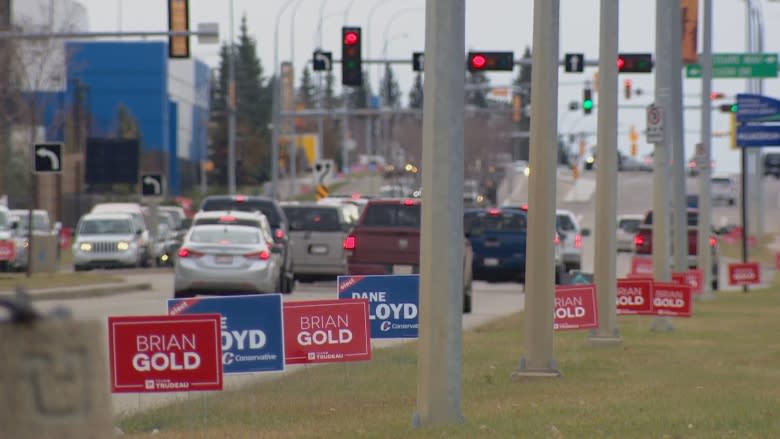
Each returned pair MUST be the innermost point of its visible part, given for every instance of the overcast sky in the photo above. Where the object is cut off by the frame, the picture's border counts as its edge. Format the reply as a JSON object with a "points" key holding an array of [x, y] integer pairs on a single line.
{"points": [[490, 25]]}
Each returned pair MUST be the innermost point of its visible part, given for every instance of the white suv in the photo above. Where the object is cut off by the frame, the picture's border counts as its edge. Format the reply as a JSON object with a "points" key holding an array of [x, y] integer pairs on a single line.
{"points": [[724, 189], [571, 239]]}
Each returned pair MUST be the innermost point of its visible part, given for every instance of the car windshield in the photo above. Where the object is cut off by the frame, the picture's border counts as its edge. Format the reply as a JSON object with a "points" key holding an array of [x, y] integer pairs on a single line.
{"points": [[693, 218], [105, 227], [176, 216], [225, 235], [629, 225], [249, 205], [566, 224], [309, 218], [718, 180], [476, 223], [392, 215], [40, 221], [227, 220]]}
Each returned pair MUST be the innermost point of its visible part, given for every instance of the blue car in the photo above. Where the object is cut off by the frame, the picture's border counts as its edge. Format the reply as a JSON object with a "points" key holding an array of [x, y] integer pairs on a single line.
{"points": [[498, 238]]}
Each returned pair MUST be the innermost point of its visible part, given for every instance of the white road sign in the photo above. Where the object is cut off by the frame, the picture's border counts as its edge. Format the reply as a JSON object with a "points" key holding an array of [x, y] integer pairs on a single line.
{"points": [[655, 124]]}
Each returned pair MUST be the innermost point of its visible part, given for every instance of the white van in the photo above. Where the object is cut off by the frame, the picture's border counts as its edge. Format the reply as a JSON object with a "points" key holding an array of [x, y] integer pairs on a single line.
{"points": [[140, 221]]}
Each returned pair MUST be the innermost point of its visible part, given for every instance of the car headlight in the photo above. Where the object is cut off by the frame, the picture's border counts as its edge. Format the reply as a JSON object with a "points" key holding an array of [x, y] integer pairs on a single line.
{"points": [[85, 247], [527, 171], [123, 246], [590, 160]]}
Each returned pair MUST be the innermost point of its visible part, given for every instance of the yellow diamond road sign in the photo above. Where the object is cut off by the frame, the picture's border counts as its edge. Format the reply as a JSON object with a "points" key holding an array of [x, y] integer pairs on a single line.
{"points": [[322, 191]]}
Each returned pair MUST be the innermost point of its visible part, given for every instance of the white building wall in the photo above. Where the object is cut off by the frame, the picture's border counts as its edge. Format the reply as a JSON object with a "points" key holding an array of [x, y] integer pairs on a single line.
{"points": [[181, 84]]}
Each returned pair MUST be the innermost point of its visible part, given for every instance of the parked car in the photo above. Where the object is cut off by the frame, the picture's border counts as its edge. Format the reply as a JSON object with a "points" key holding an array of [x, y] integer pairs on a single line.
{"points": [[498, 240], [317, 232], [41, 226], [141, 223], [276, 218], [772, 164], [105, 240], [571, 239], [225, 259], [724, 189], [627, 226]]}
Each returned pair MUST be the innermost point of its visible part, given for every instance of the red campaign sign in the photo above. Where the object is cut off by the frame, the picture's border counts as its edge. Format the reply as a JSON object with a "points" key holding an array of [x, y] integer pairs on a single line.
{"points": [[748, 273], [7, 251], [635, 297], [639, 276], [165, 353], [641, 265], [575, 307], [326, 331], [693, 277], [672, 299]]}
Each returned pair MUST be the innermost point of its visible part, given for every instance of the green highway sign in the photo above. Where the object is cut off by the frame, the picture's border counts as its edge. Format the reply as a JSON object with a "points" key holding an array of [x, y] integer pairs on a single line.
{"points": [[738, 65]]}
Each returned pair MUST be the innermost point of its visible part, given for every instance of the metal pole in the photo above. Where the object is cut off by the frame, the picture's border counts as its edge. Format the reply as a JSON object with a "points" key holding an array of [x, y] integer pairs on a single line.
{"points": [[231, 152], [276, 108], [369, 119], [663, 54], [293, 151], [439, 358], [754, 154], [679, 207], [744, 154], [537, 357], [705, 192], [606, 179]]}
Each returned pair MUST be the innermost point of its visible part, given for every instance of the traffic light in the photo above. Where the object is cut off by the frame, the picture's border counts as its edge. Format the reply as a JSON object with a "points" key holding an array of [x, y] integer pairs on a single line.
{"points": [[728, 108], [627, 88], [179, 21], [479, 61], [635, 63], [587, 100], [351, 61], [715, 96]]}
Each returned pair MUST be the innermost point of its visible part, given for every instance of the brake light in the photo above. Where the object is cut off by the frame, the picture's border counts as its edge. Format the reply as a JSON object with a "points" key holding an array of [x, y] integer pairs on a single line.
{"points": [[350, 242], [356, 196], [557, 239], [639, 240], [494, 212], [713, 241], [524, 207], [187, 253], [408, 202], [578, 240], [262, 255], [240, 199], [227, 219], [278, 233]]}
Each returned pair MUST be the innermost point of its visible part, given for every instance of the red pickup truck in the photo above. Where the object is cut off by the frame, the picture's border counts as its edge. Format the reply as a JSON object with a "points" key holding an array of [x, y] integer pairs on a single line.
{"points": [[643, 242], [386, 240]]}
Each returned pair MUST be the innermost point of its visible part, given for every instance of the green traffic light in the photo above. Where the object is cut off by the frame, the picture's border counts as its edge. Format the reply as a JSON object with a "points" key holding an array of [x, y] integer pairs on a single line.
{"points": [[587, 104], [734, 108]]}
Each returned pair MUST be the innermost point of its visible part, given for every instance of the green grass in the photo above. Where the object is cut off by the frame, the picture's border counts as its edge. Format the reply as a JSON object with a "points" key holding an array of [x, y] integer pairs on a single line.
{"points": [[9, 281], [760, 252], [715, 376]]}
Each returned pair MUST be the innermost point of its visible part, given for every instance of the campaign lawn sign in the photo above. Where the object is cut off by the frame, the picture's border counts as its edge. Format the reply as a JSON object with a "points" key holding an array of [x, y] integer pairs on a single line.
{"points": [[165, 353], [672, 299], [693, 277], [635, 296], [252, 336], [326, 331], [393, 302], [748, 273], [641, 265], [575, 307]]}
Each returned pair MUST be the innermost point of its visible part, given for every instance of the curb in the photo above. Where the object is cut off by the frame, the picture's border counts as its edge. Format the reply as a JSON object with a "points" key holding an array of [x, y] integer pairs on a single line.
{"points": [[99, 290]]}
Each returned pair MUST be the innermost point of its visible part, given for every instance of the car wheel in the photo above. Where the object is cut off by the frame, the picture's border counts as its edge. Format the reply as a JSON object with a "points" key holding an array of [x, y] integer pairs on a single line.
{"points": [[79, 268], [285, 284]]}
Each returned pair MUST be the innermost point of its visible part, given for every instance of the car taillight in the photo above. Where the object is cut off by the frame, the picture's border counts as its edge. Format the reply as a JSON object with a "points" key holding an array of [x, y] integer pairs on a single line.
{"points": [[187, 253], [262, 255], [557, 239], [713, 241], [494, 212], [639, 240], [240, 199], [408, 202], [350, 242], [578, 240], [278, 233]]}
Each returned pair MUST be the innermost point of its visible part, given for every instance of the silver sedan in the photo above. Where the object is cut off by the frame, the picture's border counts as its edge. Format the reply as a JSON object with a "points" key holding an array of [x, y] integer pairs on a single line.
{"points": [[224, 259]]}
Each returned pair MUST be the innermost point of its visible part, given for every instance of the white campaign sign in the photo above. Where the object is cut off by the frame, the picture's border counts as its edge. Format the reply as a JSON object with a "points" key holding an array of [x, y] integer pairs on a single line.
{"points": [[655, 124]]}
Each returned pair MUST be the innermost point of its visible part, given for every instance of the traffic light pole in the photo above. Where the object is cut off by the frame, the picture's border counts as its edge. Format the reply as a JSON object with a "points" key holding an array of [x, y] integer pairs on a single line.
{"points": [[605, 276], [663, 53], [440, 347], [679, 207], [537, 359], [704, 258]]}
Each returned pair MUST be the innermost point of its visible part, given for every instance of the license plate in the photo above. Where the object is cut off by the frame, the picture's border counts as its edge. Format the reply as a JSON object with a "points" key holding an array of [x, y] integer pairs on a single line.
{"points": [[223, 259], [318, 249], [402, 269], [491, 262]]}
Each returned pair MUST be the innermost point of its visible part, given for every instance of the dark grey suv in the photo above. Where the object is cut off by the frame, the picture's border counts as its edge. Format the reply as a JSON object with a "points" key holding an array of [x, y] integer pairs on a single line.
{"points": [[276, 218]]}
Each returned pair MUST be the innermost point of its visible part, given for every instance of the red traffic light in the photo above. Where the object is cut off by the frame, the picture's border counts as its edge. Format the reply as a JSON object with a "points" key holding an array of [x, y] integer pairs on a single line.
{"points": [[351, 38], [478, 62], [620, 64], [715, 95]]}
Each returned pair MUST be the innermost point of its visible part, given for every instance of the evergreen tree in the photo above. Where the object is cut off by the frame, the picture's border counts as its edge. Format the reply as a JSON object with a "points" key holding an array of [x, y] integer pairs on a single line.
{"points": [[391, 94], [218, 118], [329, 94], [307, 91], [477, 96], [416, 93], [358, 95]]}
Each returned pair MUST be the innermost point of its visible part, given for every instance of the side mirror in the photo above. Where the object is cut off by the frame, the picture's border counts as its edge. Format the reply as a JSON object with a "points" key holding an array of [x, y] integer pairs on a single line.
{"points": [[585, 232]]}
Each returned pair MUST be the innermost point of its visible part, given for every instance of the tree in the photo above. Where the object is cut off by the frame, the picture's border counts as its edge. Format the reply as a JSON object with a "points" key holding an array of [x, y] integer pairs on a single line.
{"points": [[126, 124], [416, 93], [477, 96], [329, 94], [218, 134], [391, 93], [359, 95], [307, 91]]}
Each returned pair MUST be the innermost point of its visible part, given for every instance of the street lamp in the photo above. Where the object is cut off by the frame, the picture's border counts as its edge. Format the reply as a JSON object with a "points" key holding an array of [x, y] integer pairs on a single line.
{"points": [[276, 107], [293, 150]]}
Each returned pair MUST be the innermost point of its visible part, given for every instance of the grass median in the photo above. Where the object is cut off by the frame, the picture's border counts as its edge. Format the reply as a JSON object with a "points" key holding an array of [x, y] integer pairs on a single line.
{"points": [[9, 281], [715, 376]]}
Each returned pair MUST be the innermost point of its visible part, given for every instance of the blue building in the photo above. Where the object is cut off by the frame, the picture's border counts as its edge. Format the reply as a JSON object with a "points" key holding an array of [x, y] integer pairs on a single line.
{"points": [[132, 87]]}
